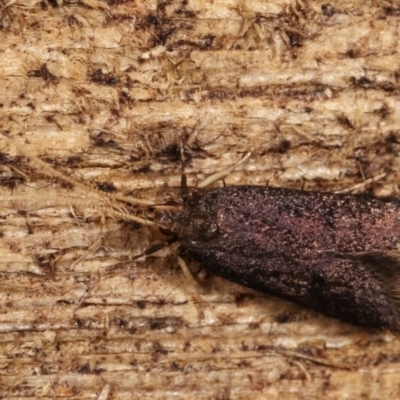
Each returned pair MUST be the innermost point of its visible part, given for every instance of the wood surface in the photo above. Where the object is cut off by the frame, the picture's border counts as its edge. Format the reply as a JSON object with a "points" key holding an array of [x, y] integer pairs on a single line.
{"points": [[104, 91]]}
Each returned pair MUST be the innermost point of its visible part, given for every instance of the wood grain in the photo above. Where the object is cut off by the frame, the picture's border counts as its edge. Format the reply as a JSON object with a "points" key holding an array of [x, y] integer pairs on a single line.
{"points": [[103, 91]]}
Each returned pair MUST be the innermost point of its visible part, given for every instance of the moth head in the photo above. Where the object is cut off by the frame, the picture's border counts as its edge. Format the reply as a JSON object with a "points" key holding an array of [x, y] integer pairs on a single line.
{"points": [[194, 224]]}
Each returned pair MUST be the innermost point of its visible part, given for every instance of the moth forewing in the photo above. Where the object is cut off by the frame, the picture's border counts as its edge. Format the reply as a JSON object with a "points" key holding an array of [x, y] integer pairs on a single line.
{"points": [[301, 246]]}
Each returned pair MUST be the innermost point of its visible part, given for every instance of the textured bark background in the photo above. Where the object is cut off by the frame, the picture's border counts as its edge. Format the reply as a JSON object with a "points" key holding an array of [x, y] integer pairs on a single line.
{"points": [[103, 90]]}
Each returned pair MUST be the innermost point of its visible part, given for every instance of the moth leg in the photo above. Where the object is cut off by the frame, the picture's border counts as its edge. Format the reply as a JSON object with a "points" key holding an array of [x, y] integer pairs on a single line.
{"points": [[362, 184], [224, 173], [195, 285], [187, 272], [153, 249]]}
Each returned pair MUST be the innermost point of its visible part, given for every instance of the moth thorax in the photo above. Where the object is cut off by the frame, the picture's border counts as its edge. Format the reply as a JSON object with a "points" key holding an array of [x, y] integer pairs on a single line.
{"points": [[194, 224]]}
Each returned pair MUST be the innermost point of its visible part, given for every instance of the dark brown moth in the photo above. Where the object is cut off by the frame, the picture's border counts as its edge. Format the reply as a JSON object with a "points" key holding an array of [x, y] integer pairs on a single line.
{"points": [[333, 253]]}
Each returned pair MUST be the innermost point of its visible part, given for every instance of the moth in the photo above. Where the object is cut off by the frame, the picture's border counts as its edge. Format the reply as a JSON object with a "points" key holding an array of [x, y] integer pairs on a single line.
{"points": [[337, 254], [333, 253]]}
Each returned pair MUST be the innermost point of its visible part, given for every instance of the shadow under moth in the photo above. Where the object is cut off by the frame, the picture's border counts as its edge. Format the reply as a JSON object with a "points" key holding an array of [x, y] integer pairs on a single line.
{"points": [[334, 253]]}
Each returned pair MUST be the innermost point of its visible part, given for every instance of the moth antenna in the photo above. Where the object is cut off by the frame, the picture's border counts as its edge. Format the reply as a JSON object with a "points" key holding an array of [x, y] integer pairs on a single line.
{"points": [[107, 210], [128, 217], [224, 173], [52, 172]]}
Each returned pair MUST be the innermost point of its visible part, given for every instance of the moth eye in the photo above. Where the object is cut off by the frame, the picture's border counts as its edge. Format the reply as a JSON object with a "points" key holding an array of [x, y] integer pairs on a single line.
{"points": [[164, 218]]}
